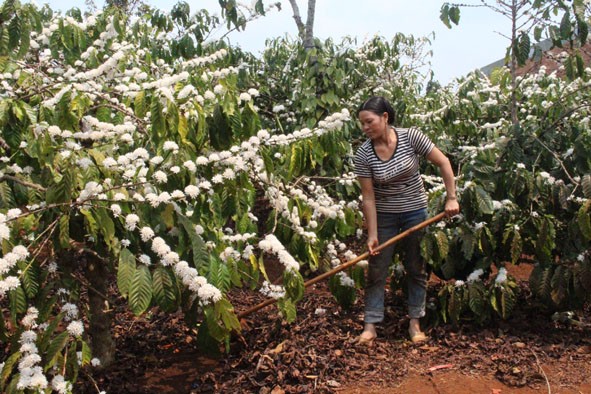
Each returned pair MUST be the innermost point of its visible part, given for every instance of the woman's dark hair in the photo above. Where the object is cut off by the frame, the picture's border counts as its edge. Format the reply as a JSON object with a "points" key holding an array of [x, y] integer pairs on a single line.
{"points": [[378, 105]]}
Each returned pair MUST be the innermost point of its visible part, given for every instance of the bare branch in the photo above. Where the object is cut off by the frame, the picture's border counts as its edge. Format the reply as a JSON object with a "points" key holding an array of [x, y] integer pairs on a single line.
{"points": [[309, 34], [298, 19]]}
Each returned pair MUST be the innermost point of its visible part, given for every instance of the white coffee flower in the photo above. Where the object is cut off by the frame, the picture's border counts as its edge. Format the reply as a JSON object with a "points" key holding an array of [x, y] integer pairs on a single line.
{"points": [[160, 177], [75, 328]]}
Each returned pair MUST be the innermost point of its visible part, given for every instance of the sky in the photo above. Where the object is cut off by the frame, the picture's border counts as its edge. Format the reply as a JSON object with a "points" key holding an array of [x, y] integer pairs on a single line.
{"points": [[473, 44]]}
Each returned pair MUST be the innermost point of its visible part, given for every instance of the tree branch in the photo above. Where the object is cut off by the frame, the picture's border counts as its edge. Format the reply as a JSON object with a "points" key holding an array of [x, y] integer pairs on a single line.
{"points": [[22, 182], [309, 33], [298, 19]]}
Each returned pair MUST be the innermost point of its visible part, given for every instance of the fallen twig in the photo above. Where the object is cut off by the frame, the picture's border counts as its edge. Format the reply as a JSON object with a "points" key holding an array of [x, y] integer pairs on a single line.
{"points": [[442, 366], [543, 372]]}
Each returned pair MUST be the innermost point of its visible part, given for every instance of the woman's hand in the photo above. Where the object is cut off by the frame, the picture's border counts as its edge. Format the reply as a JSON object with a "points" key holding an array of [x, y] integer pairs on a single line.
{"points": [[372, 243], [452, 207]]}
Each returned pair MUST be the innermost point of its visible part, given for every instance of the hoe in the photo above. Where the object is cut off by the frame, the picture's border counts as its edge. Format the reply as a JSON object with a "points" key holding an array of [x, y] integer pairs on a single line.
{"points": [[351, 263]]}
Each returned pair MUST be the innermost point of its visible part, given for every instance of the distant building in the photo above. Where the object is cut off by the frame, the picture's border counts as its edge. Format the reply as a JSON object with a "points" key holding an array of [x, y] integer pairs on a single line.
{"points": [[550, 57]]}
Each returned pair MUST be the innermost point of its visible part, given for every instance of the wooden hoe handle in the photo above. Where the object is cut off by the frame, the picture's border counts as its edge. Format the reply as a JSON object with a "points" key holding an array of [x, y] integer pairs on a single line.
{"points": [[351, 263]]}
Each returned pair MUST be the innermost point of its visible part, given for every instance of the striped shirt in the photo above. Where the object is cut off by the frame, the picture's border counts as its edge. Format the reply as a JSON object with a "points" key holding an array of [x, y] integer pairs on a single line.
{"points": [[398, 186]]}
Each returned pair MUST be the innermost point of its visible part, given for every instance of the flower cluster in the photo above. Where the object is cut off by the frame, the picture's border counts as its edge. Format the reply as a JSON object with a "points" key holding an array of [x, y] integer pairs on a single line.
{"points": [[4, 229], [31, 374], [501, 277], [475, 276], [206, 292], [271, 244], [345, 280], [7, 262], [273, 291]]}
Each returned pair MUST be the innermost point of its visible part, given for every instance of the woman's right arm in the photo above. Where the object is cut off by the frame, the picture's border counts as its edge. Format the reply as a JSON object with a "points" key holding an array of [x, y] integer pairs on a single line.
{"points": [[369, 212]]}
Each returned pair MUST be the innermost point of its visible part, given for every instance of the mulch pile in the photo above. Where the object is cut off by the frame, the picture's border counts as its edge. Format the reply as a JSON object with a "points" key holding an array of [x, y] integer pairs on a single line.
{"points": [[316, 353]]}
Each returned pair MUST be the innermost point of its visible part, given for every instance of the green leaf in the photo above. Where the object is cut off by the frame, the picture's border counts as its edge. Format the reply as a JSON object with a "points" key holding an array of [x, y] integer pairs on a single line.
{"points": [[288, 309], [140, 290], [165, 289], [313, 260], [91, 224], [183, 128], [468, 244], [448, 269], [220, 132], [14, 32], [444, 15], [139, 104], [454, 306], [6, 196], [454, 14], [125, 271], [565, 27], [296, 160], [584, 219], [544, 286], [476, 292], [535, 279], [582, 31], [580, 65], [54, 349], [225, 311], [86, 354], [559, 283], [260, 264], [484, 200], [524, 49], [215, 327], [29, 278], [508, 301], [442, 244], [516, 243], [64, 231], [8, 367], [106, 226], [200, 253], [294, 285], [570, 68], [157, 118], [18, 301], [545, 240], [259, 7], [345, 295], [62, 191], [586, 183], [45, 336], [71, 360]]}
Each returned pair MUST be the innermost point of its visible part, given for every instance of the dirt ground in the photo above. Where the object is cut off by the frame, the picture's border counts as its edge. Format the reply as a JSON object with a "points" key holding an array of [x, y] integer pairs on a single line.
{"points": [[529, 353]]}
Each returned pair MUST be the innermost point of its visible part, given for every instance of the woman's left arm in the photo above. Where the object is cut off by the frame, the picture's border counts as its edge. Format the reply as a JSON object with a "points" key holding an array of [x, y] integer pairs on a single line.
{"points": [[452, 207]]}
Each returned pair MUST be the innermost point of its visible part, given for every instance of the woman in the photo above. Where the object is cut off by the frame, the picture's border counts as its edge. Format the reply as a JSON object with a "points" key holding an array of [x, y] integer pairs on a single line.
{"points": [[394, 199]]}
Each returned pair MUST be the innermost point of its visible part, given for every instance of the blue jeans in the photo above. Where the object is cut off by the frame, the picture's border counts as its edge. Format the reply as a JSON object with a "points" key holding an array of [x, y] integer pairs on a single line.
{"points": [[390, 224]]}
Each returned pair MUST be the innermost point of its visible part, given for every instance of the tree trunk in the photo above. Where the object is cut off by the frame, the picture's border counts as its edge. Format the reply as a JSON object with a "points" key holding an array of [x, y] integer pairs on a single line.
{"points": [[309, 31], [513, 65], [103, 346]]}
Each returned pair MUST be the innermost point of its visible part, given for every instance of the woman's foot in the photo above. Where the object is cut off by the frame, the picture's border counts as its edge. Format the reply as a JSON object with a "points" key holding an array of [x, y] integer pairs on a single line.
{"points": [[414, 330], [368, 334]]}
